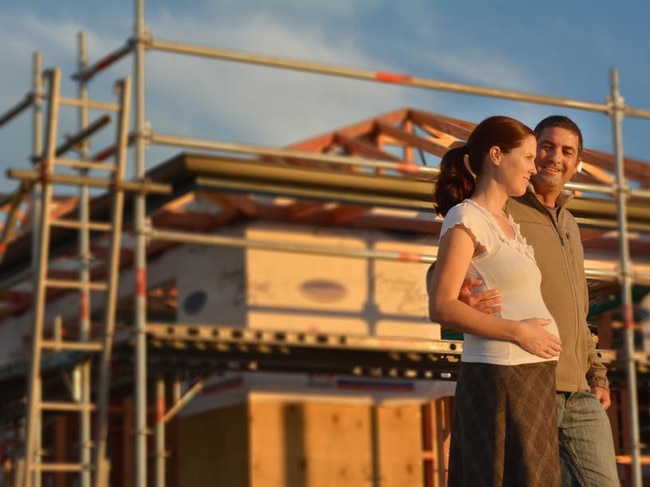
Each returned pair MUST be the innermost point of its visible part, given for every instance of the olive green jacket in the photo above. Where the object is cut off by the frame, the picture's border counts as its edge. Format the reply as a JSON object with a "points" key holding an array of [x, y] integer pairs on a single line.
{"points": [[555, 238]]}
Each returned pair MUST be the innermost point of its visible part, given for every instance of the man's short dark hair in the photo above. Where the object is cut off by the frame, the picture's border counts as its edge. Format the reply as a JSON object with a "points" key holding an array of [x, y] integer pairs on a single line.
{"points": [[562, 122]]}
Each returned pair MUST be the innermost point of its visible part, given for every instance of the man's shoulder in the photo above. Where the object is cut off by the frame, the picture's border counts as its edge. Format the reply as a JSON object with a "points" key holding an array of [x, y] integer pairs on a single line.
{"points": [[519, 205], [518, 200], [528, 204]]}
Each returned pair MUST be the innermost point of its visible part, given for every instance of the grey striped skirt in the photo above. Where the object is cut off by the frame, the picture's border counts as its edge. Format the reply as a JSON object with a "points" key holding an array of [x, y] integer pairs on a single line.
{"points": [[504, 430]]}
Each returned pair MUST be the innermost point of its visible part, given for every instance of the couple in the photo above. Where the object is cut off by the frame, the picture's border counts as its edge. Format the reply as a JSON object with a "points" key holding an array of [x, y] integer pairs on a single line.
{"points": [[531, 394]]}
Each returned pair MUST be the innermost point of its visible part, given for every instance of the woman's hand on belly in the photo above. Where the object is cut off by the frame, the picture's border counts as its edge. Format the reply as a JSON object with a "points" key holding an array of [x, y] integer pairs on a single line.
{"points": [[534, 337]]}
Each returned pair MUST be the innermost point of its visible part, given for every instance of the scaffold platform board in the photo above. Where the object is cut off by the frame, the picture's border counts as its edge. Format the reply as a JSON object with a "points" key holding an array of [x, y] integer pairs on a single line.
{"points": [[220, 348]]}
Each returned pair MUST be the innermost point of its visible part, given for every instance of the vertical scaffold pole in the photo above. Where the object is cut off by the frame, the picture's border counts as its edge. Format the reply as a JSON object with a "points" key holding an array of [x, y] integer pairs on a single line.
{"points": [[37, 153], [33, 446], [83, 372], [160, 431], [627, 303], [140, 254]]}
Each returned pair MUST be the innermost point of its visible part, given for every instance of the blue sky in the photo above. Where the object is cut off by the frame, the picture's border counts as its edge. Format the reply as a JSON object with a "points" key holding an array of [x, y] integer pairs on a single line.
{"points": [[557, 48]]}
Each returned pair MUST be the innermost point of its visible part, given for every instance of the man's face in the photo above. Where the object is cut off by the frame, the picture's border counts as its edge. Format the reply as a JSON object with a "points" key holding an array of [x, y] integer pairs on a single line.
{"points": [[557, 159]]}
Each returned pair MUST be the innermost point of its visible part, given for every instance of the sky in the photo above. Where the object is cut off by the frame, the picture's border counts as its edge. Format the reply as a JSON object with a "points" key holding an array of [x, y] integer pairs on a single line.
{"points": [[561, 48]]}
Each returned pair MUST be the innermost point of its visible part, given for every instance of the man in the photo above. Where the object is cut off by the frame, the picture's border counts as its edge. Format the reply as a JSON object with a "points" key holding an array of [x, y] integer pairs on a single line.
{"points": [[586, 445]]}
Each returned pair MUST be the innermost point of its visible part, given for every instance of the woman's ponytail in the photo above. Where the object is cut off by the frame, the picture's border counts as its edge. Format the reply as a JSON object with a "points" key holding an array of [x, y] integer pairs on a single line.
{"points": [[455, 182]]}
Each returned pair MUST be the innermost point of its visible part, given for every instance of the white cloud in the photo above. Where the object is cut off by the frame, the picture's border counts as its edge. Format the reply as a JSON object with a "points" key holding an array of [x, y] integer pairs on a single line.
{"points": [[263, 104], [482, 69], [201, 97], [224, 100]]}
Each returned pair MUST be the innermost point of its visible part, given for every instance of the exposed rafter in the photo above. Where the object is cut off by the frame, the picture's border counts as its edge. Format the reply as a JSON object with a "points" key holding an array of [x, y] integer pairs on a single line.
{"points": [[213, 192]]}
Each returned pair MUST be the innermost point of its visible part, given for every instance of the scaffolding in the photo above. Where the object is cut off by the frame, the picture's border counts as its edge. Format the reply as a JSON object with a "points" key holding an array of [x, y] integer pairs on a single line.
{"points": [[92, 468]]}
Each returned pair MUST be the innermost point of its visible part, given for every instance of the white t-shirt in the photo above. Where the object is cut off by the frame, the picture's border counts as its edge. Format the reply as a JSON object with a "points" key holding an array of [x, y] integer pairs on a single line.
{"points": [[505, 264]]}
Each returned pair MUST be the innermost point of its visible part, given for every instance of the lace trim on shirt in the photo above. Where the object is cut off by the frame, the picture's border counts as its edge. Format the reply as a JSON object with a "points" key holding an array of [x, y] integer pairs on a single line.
{"points": [[518, 243]]}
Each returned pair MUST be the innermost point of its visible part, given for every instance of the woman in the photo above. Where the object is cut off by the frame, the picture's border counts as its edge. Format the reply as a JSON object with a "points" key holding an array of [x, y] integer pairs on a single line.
{"points": [[504, 431]]}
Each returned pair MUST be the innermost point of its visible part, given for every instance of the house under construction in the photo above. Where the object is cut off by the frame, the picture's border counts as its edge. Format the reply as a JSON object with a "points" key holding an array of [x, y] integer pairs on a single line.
{"points": [[256, 316]]}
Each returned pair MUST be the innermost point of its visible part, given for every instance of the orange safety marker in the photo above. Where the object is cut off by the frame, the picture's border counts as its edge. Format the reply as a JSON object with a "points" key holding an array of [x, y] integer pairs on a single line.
{"points": [[160, 409], [83, 305], [410, 257], [393, 77], [628, 316], [408, 168], [140, 282]]}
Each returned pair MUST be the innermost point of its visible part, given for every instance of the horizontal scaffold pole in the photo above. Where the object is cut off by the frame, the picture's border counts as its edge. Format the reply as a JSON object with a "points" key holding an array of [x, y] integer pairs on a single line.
{"points": [[72, 180], [385, 77], [194, 143]]}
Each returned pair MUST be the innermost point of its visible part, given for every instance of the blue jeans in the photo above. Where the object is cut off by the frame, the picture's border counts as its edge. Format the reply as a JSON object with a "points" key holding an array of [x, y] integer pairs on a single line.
{"points": [[587, 456]]}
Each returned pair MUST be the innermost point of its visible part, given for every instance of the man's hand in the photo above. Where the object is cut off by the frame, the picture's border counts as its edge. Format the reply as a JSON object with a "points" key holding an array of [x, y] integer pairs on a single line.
{"points": [[602, 395], [488, 301]]}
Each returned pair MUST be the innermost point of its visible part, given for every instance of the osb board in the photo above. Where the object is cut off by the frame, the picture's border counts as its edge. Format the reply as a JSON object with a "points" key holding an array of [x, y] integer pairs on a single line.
{"points": [[262, 288], [213, 448], [300, 444], [400, 445], [310, 445]]}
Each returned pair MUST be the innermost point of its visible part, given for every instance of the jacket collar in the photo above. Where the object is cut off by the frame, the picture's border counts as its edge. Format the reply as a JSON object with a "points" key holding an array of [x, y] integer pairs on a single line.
{"points": [[560, 202]]}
